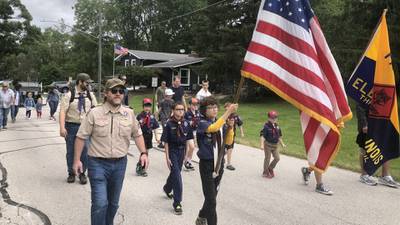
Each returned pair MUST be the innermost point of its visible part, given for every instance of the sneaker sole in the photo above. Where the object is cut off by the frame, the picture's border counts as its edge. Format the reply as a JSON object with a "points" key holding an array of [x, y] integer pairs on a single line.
{"points": [[324, 193], [369, 184], [178, 213], [388, 185]]}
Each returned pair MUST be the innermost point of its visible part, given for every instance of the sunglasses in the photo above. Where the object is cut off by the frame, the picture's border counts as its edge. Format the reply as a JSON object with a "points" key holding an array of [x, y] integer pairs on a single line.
{"points": [[120, 91]]}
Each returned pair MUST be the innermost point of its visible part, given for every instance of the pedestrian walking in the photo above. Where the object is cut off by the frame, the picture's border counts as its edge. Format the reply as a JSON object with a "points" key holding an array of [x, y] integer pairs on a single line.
{"points": [[271, 136], [193, 116], [175, 135], [29, 105], [53, 99], [73, 109], [208, 136], [6, 101], [165, 110], [109, 127], [148, 124]]}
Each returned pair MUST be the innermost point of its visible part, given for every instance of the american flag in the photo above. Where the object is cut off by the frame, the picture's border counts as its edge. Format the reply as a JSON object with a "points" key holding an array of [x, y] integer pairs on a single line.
{"points": [[288, 53], [119, 50]]}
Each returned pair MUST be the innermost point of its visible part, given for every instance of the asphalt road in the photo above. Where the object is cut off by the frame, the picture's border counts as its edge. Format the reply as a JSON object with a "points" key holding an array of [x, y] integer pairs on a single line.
{"points": [[34, 189]]}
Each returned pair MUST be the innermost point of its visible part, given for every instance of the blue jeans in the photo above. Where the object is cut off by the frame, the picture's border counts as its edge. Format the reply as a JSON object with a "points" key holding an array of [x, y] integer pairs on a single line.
{"points": [[53, 107], [174, 180], [72, 130], [14, 112], [106, 178], [4, 116]]}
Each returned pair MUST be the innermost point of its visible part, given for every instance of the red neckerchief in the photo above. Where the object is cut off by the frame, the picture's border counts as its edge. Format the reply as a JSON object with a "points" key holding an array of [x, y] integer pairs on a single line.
{"points": [[147, 119], [179, 128]]}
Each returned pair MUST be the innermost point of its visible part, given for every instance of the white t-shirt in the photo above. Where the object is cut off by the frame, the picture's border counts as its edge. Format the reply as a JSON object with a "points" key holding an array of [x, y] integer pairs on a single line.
{"points": [[202, 94], [6, 98]]}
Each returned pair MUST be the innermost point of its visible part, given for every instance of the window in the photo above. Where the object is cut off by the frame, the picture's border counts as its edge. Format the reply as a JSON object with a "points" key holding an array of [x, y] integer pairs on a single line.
{"points": [[185, 76], [133, 62], [126, 62]]}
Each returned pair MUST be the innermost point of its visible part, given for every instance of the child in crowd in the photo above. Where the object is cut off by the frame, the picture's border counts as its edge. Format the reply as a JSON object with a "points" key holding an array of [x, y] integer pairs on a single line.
{"points": [[29, 105], [148, 124], [271, 135], [193, 116], [238, 122], [39, 107], [165, 109], [175, 135], [208, 137]]}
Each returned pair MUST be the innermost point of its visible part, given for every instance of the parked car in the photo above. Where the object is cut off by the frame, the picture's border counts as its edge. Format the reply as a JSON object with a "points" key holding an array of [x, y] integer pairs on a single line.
{"points": [[62, 86]]}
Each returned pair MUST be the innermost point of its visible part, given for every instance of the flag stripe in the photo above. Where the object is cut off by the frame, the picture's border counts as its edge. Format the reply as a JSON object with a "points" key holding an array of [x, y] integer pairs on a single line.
{"points": [[309, 133], [282, 84], [329, 148], [287, 26], [291, 41], [306, 89], [287, 64], [295, 56], [330, 70]]}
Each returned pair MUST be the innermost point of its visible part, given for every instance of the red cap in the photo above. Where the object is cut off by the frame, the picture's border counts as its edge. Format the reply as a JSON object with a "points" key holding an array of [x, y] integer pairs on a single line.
{"points": [[273, 114], [194, 101], [147, 101]]}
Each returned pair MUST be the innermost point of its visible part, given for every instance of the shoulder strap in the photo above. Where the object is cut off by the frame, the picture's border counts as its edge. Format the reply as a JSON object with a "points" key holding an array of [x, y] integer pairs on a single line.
{"points": [[71, 99]]}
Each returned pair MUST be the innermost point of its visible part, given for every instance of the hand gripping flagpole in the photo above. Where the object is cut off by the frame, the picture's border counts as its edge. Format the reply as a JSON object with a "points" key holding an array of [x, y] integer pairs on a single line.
{"points": [[221, 148]]}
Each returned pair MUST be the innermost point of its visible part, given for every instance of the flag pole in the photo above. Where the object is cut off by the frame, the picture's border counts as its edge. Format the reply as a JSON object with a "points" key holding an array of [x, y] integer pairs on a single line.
{"points": [[221, 152], [113, 72]]}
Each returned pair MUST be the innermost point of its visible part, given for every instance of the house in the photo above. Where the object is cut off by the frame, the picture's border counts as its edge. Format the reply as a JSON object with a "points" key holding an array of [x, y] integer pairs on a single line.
{"points": [[170, 65]]}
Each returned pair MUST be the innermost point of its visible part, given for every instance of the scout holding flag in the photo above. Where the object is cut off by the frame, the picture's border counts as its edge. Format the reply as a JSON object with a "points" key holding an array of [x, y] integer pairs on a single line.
{"points": [[372, 86]]}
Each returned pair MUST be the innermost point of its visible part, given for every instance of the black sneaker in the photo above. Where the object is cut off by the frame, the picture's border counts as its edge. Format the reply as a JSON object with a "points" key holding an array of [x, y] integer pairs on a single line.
{"points": [[144, 174], [178, 209], [71, 178], [160, 145], [201, 221], [189, 166], [82, 178], [306, 175], [169, 195], [230, 167]]}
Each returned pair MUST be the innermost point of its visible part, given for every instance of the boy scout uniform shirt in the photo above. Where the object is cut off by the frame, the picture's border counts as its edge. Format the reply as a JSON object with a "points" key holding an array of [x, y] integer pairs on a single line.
{"points": [[193, 118], [170, 134], [110, 132], [71, 110], [272, 132], [147, 126]]}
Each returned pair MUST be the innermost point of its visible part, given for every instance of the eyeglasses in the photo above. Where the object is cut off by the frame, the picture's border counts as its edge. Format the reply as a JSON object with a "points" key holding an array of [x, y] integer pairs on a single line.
{"points": [[115, 91], [180, 109]]}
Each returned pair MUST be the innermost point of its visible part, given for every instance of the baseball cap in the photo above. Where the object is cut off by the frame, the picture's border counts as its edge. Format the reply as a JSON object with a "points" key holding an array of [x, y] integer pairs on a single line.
{"points": [[83, 76], [147, 101], [273, 114], [114, 82], [169, 92]]}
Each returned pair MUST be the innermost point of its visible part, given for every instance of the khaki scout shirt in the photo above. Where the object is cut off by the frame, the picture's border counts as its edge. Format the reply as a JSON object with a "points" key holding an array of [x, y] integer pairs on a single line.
{"points": [[109, 131], [72, 113]]}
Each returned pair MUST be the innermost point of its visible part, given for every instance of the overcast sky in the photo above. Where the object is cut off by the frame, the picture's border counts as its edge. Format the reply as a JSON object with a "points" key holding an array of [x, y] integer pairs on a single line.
{"points": [[50, 10]]}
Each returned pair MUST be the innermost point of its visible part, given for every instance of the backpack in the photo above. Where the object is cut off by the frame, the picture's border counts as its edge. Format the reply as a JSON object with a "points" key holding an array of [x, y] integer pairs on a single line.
{"points": [[72, 98]]}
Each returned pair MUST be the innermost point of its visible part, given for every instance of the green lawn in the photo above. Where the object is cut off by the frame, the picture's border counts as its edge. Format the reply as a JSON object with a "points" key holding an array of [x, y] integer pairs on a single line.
{"points": [[254, 116]]}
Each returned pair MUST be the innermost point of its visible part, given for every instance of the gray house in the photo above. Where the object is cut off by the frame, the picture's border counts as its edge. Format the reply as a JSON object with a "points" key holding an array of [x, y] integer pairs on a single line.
{"points": [[170, 65]]}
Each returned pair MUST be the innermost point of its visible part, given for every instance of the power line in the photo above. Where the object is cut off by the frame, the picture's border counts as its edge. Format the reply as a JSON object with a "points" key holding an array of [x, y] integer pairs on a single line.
{"points": [[187, 14]]}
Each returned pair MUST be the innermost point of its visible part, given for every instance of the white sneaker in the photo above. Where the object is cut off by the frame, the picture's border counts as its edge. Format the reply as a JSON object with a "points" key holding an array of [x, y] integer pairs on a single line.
{"points": [[388, 181], [368, 180]]}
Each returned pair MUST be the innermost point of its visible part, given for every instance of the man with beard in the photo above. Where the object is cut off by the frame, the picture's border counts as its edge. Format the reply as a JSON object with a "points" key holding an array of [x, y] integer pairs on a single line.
{"points": [[110, 128], [73, 109]]}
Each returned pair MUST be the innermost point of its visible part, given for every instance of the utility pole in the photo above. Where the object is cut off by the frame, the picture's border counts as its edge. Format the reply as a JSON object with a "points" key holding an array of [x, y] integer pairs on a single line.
{"points": [[100, 53]]}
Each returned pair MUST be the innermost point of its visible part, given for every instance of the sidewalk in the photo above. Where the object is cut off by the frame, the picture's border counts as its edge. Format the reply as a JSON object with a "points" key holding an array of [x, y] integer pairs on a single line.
{"points": [[33, 170]]}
